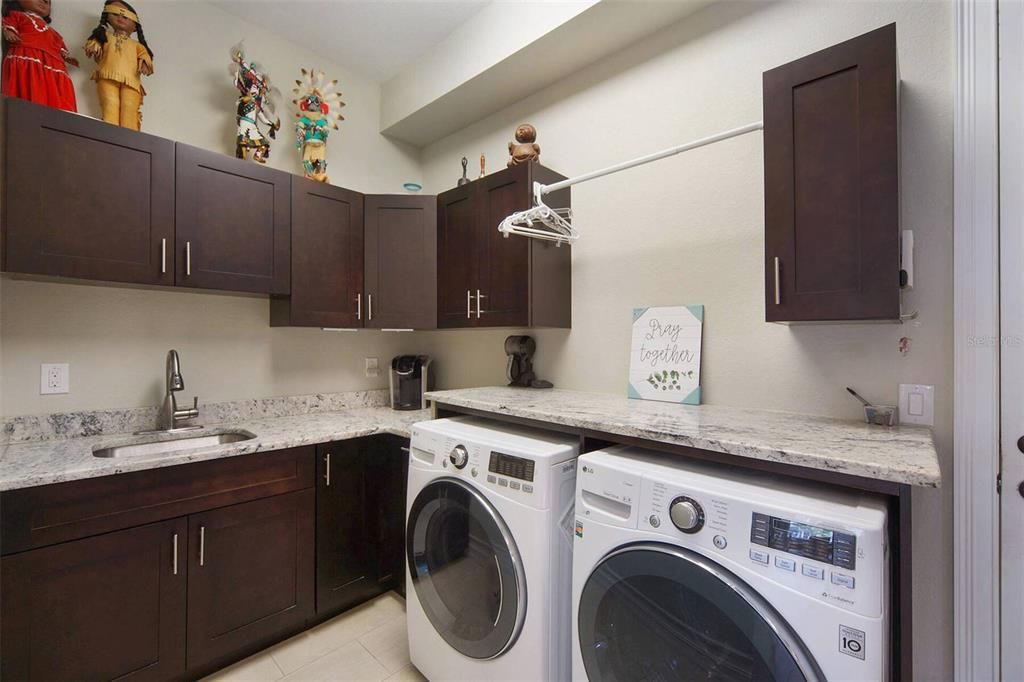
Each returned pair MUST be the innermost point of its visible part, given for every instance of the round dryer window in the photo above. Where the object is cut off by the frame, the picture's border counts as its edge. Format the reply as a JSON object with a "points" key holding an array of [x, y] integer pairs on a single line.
{"points": [[658, 612], [466, 570]]}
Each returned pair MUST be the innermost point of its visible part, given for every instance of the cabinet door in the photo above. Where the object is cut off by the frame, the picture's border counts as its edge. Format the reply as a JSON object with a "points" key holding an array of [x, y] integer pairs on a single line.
{"points": [[346, 548], [85, 199], [327, 258], [107, 607], [457, 256], [401, 262], [232, 223], [389, 474], [504, 275], [832, 183], [250, 576]]}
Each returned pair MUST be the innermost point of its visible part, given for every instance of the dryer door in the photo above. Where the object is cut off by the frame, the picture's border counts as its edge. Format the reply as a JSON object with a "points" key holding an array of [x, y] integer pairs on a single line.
{"points": [[657, 612], [466, 570]]}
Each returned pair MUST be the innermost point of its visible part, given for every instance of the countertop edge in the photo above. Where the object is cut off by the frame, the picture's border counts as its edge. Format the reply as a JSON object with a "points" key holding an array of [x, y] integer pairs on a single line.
{"points": [[807, 460], [255, 446]]}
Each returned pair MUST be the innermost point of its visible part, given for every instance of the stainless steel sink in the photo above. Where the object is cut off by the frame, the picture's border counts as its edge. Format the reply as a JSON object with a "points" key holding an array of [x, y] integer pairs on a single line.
{"points": [[165, 445]]}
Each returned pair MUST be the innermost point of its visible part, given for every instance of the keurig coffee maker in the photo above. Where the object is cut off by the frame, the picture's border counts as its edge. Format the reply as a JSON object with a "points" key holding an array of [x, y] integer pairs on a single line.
{"points": [[410, 380]]}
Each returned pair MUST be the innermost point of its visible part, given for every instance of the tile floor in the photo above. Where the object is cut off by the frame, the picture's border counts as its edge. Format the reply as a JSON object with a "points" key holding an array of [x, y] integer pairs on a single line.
{"points": [[366, 643]]}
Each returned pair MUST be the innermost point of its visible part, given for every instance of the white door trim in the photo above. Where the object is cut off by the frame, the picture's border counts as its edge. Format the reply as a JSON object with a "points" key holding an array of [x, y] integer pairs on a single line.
{"points": [[976, 341], [1011, 360]]}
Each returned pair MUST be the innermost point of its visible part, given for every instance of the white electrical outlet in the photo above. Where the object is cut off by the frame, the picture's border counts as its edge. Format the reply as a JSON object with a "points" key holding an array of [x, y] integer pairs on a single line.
{"points": [[54, 378], [372, 367], [917, 404]]}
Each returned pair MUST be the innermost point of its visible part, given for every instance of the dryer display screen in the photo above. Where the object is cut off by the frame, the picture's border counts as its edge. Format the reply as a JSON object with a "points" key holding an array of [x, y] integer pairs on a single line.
{"points": [[813, 542], [513, 467]]}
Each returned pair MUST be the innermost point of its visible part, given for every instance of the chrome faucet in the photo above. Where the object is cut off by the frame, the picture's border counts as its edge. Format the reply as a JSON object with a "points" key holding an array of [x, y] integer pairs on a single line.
{"points": [[170, 415]]}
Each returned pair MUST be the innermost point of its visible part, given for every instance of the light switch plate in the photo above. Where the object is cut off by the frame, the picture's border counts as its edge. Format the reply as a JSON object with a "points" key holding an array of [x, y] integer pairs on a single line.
{"points": [[54, 378], [917, 404], [372, 367]]}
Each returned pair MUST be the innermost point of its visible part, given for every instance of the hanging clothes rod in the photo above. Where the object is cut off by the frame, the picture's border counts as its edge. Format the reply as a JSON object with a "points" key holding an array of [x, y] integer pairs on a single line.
{"points": [[541, 221], [672, 151]]}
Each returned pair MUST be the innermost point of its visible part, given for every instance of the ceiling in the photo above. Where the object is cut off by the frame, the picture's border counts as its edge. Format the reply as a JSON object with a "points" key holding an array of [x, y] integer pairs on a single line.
{"points": [[374, 38]]}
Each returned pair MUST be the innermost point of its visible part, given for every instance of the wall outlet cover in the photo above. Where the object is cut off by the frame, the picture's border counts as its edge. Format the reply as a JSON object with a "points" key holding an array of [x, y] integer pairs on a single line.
{"points": [[917, 404], [54, 378], [372, 367]]}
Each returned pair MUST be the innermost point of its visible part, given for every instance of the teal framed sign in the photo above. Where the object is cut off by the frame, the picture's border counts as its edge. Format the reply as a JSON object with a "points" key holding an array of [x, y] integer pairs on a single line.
{"points": [[664, 359]]}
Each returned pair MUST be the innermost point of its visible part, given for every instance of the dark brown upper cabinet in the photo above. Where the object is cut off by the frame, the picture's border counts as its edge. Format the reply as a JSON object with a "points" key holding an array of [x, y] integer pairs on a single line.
{"points": [[487, 280], [232, 223], [106, 607], [400, 262], [326, 259], [85, 199], [831, 168]]}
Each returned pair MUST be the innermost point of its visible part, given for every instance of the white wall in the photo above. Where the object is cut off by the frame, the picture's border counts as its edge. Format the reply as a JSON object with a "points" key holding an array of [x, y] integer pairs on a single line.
{"points": [[690, 230], [115, 338]]}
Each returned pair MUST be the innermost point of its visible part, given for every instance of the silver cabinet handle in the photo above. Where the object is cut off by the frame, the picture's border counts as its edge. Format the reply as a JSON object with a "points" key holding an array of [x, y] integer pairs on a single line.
{"points": [[469, 304], [174, 553], [202, 545], [188, 259], [163, 256], [478, 297], [369, 307], [359, 306], [778, 283], [327, 470]]}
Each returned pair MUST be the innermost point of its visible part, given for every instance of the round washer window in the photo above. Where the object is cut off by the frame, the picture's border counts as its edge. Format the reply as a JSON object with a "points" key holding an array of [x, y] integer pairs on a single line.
{"points": [[466, 569], [657, 612]]}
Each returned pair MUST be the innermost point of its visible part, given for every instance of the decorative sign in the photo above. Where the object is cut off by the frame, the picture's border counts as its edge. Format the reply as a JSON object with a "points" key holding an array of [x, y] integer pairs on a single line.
{"points": [[664, 362]]}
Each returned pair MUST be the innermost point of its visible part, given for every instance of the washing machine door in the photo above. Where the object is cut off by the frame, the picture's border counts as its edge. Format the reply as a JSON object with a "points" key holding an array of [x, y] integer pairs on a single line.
{"points": [[466, 570], [657, 612]]}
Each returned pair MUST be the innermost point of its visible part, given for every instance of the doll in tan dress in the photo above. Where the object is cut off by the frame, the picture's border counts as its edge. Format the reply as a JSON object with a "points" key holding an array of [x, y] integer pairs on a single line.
{"points": [[121, 61]]}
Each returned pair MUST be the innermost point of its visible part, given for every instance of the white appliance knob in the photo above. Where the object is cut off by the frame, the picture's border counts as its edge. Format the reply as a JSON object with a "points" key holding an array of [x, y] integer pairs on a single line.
{"points": [[459, 457], [686, 514]]}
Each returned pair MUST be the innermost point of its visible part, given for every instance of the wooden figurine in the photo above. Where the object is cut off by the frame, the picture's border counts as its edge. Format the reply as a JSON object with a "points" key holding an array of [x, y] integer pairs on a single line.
{"points": [[121, 62], [525, 148], [255, 101], [35, 56], [315, 99]]}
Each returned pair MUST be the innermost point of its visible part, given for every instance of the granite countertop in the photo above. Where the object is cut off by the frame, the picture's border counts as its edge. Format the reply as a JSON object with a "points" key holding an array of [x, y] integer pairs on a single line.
{"points": [[41, 462], [902, 454]]}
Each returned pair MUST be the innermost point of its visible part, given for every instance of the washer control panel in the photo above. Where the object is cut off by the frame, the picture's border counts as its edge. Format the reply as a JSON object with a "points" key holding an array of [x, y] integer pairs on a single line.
{"points": [[489, 463], [824, 543]]}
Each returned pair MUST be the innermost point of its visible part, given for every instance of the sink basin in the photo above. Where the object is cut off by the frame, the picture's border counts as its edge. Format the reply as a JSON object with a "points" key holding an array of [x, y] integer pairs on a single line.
{"points": [[173, 445]]}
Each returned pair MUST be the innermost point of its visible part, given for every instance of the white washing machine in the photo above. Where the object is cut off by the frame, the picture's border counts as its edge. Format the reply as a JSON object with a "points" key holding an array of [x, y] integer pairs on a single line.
{"points": [[489, 537], [685, 571]]}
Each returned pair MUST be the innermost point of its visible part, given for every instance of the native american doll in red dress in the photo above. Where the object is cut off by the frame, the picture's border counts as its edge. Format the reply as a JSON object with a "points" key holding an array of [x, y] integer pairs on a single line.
{"points": [[35, 56]]}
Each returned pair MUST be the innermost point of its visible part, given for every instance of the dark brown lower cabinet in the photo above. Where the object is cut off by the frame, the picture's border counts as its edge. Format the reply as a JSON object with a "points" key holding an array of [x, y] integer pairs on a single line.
{"points": [[243, 561], [360, 521], [389, 470], [106, 607], [250, 576]]}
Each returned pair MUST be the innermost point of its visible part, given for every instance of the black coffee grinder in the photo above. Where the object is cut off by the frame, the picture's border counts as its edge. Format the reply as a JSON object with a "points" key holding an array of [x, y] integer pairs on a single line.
{"points": [[520, 350]]}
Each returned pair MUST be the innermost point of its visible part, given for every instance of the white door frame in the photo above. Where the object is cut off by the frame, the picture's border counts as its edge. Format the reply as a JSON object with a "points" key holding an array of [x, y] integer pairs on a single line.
{"points": [[976, 341], [1011, 274]]}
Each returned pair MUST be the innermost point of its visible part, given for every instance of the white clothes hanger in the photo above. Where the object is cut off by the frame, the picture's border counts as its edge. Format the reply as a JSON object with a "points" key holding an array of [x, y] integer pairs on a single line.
{"points": [[540, 221]]}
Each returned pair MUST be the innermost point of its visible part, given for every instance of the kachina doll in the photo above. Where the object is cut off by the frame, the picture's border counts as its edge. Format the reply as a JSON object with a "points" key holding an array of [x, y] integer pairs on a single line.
{"points": [[316, 120], [255, 101], [121, 61], [35, 56]]}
